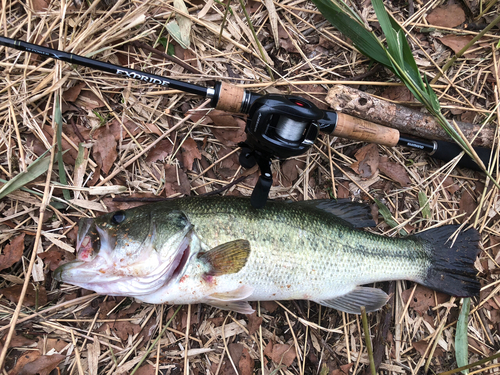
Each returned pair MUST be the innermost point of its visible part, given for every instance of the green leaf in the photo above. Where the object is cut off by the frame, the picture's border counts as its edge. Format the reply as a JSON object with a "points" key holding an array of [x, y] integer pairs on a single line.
{"points": [[171, 50], [394, 46], [35, 169], [180, 28], [424, 204], [386, 214], [163, 41], [461, 341], [362, 39]]}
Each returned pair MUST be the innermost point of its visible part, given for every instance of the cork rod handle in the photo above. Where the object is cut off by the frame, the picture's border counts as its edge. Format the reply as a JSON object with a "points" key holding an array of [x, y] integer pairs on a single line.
{"points": [[230, 98], [361, 130]]}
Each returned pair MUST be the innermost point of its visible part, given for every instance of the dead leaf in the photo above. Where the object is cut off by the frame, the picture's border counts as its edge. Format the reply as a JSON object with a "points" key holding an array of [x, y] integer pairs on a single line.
{"points": [[228, 129], [494, 245], [246, 363], [343, 370], [116, 128], [42, 365], [153, 129], [423, 299], [12, 252], [104, 150], [121, 329], [70, 153], [449, 185], [368, 161], [270, 306], [343, 190], [398, 93], [197, 115], [290, 170], [51, 343], [71, 94], [160, 151], [235, 350], [283, 354], [189, 152], [394, 171], [88, 100], [252, 6], [146, 370], [56, 257], [17, 341], [466, 205], [27, 357], [40, 5], [421, 347], [31, 298], [316, 94], [456, 42], [254, 322], [230, 163], [174, 185], [468, 116], [450, 15]]}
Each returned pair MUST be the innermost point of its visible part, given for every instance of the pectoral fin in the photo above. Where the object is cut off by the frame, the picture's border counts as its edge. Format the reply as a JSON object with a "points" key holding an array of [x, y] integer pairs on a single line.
{"points": [[371, 298], [232, 300], [227, 258]]}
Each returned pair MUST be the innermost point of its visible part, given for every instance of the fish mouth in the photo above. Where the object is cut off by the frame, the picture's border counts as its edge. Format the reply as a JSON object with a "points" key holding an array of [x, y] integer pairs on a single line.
{"points": [[144, 277]]}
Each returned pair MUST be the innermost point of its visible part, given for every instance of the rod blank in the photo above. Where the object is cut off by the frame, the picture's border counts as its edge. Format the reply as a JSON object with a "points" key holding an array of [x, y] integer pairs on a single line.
{"points": [[106, 67]]}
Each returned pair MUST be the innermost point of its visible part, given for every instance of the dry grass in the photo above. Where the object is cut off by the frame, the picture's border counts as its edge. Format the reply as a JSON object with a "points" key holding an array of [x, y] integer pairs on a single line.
{"points": [[98, 334]]}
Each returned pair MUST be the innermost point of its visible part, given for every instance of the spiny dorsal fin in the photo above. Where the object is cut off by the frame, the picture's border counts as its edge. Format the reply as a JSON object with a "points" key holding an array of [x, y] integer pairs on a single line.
{"points": [[371, 298], [357, 214], [230, 257]]}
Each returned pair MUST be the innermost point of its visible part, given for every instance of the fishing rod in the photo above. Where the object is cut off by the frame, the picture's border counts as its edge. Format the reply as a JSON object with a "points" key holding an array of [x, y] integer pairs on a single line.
{"points": [[277, 126]]}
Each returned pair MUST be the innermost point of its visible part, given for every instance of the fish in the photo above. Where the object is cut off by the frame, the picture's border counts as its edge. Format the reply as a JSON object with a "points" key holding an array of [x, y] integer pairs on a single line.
{"points": [[223, 252]]}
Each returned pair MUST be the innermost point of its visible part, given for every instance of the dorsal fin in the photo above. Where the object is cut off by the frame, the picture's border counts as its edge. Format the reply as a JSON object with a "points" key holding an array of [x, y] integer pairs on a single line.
{"points": [[357, 214], [230, 257]]}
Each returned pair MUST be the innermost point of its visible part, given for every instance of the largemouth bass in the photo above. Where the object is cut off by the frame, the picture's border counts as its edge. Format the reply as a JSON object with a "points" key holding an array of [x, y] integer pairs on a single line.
{"points": [[223, 252]]}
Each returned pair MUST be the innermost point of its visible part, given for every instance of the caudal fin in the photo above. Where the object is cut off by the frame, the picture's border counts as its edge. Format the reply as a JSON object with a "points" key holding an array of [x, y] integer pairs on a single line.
{"points": [[452, 267]]}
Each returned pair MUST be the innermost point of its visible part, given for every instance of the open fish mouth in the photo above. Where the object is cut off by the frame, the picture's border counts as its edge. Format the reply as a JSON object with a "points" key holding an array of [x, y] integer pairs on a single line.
{"points": [[96, 270]]}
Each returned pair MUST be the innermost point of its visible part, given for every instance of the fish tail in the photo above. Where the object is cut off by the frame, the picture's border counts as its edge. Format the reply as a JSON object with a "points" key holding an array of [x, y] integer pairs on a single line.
{"points": [[452, 267]]}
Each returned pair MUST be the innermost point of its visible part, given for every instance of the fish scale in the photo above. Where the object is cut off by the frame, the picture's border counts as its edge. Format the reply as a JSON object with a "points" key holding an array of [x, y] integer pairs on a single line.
{"points": [[224, 252]]}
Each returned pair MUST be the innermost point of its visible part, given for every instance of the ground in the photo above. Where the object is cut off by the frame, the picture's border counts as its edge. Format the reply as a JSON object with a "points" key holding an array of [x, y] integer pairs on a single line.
{"points": [[129, 139]]}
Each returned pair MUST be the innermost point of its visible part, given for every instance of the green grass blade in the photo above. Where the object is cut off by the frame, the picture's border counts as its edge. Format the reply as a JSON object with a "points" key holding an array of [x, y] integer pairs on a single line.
{"points": [[394, 47], [461, 341], [388, 218], [35, 169], [361, 38], [424, 204]]}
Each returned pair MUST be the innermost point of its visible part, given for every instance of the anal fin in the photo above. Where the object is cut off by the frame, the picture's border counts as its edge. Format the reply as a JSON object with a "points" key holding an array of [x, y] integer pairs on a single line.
{"points": [[230, 257], [371, 298]]}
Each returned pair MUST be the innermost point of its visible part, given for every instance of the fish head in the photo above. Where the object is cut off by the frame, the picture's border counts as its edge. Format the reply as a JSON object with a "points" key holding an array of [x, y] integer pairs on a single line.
{"points": [[131, 252]]}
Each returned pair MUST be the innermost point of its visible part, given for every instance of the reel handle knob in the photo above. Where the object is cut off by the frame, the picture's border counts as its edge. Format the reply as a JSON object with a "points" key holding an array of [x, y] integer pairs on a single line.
{"points": [[247, 159]]}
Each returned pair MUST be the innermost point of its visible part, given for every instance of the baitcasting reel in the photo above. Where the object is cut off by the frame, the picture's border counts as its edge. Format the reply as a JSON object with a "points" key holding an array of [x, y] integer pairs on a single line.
{"points": [[280, 127]]}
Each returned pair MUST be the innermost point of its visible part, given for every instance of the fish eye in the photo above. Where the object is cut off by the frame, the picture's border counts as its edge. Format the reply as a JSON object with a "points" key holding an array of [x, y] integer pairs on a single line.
{"points": [[118, 217]]}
